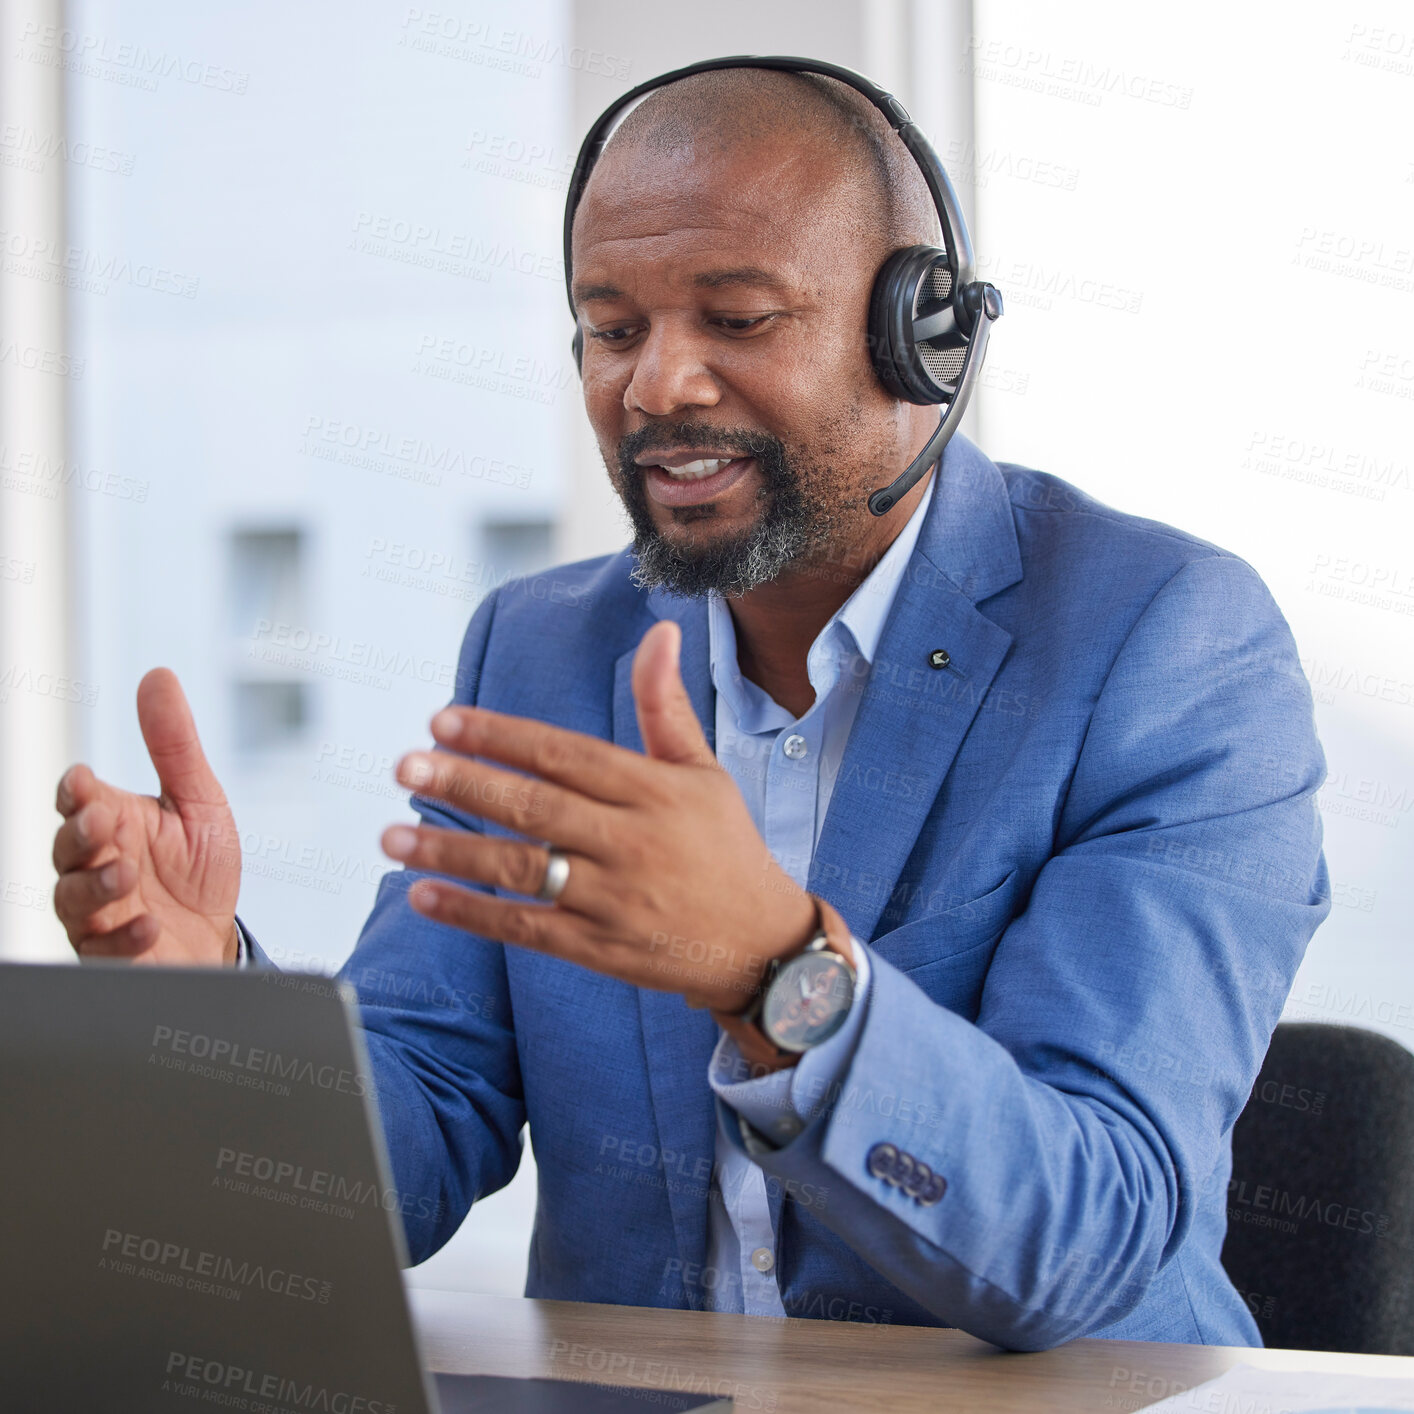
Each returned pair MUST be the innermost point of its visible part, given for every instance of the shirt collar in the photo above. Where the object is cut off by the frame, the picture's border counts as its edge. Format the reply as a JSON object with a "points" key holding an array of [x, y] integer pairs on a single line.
{"points": [[866, 610]]}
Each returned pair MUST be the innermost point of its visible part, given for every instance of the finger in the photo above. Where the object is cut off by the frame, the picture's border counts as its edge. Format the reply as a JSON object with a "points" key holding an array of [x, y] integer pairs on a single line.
{"points": [[81, 893], [500, 863], [133, 939], [172, 742], [83, 835], [538, 927], [666, 719], [594, 768], [530, 807], [77, 787]]}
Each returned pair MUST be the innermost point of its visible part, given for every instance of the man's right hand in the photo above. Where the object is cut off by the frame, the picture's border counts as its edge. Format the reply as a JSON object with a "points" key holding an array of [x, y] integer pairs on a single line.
{"points": [[152, 879]]}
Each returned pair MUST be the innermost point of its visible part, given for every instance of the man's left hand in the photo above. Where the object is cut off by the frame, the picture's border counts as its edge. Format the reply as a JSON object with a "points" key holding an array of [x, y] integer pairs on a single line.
{"points": [[670, 885]]}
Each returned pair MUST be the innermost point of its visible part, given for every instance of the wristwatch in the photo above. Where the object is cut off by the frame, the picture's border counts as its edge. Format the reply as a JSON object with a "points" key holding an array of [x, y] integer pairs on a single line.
{"points": [[803, 999]]}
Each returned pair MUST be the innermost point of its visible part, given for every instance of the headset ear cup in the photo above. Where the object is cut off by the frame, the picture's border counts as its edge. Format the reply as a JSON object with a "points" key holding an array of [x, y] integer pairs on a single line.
{"points": [[894, 303], [577, 349]]}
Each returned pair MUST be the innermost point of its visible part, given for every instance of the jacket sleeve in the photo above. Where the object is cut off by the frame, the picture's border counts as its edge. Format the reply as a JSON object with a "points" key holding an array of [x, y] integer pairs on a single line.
{"points": [[436, 1015], [1126, 1011]]}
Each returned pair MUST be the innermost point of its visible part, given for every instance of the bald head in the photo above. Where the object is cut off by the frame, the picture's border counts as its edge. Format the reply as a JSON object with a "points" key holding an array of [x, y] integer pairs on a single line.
{"points": [[878, 190]]}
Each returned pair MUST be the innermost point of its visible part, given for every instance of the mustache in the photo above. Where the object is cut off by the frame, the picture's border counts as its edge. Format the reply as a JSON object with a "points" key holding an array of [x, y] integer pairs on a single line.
{"points": [[663, 436]]}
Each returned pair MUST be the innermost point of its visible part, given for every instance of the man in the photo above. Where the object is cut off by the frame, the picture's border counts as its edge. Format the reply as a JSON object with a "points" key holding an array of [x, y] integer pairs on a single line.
{"points": [[1046, 770]]}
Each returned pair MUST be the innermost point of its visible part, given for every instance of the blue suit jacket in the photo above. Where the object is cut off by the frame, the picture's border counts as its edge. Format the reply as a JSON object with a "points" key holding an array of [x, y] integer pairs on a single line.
{"points": [[1086, 857]]}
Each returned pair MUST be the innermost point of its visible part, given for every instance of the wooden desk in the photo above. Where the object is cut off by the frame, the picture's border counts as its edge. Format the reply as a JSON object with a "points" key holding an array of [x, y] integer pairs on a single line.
{"points": [[804, 1367]]}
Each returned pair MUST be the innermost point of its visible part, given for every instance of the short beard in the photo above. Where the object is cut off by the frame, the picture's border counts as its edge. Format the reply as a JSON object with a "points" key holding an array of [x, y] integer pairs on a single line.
{"points": [[793, 526]]}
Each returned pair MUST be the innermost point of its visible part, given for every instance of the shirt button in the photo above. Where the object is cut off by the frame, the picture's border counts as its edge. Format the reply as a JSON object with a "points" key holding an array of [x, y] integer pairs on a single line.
{"points": [[763, 1259], [796, 747]]}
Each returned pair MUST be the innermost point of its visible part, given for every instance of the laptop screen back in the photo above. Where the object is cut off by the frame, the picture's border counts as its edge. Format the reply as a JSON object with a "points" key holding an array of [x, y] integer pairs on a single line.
{"points": [[197, 1212]]}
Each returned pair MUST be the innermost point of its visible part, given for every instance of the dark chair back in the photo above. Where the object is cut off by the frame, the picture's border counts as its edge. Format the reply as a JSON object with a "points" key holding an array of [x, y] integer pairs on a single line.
{"points": [[1320, 1238]]}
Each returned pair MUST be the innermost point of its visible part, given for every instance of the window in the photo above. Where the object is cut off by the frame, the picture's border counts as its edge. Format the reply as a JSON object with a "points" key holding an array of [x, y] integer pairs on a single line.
{"points": [[510, 548], [267, 579], [267, 609]]}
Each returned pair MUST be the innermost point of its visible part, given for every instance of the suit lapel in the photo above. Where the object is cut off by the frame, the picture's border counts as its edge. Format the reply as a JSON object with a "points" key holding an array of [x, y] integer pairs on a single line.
{"points": [[911, 721], [677, 1040], [913, 716]]}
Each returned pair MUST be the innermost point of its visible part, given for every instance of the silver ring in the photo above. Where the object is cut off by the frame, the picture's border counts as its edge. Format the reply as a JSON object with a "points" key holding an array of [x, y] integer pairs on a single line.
{"points": [[557, 875]]}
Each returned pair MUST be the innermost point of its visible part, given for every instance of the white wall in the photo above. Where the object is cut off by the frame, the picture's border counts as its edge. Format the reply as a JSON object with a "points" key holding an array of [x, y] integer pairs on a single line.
{"points": [[1203, 225]]}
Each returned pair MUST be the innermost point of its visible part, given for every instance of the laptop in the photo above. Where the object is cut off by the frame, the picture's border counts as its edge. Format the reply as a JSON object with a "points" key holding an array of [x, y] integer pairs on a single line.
{"points": [[198, 1212]]}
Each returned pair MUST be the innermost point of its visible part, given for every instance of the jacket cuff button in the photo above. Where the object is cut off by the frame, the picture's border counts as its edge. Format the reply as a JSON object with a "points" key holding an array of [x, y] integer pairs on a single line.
{"points": [[882, 1161], [933, 1190]]}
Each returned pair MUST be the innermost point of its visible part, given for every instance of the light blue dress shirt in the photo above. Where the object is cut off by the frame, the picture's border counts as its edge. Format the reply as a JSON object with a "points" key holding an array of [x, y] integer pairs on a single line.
{"points": [[786, 769]]}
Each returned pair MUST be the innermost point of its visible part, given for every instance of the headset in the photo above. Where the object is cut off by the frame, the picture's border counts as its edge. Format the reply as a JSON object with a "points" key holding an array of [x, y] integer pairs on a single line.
{"points": [[928, 318]]}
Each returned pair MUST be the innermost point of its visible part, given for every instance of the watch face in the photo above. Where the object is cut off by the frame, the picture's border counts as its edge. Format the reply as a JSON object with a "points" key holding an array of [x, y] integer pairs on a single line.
{"points": [[808, 1001]]}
